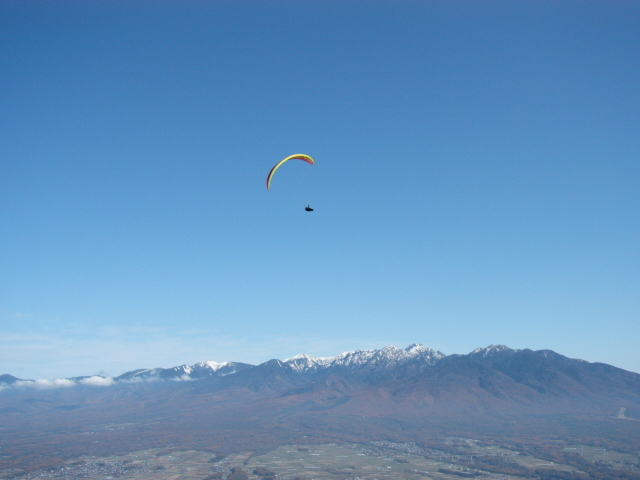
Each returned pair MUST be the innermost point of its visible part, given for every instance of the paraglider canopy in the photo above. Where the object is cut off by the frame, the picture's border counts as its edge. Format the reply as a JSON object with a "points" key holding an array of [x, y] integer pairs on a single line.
{"points": [[298, 156]]}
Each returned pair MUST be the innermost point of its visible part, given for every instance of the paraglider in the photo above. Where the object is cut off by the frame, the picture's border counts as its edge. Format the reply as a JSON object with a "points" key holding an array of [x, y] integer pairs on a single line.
{"points": [[298, 156]]}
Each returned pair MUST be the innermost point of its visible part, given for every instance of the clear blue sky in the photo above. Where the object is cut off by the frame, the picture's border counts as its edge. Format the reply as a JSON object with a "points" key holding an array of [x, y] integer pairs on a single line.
{"points": [[476, 181]]}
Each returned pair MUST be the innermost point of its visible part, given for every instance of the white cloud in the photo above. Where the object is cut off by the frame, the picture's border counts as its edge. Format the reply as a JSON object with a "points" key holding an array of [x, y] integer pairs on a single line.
{"points": [[42, 384], [97, 381]]}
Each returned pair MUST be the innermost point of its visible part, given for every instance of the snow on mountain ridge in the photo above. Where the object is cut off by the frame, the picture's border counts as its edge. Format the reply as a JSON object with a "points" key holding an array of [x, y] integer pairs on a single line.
{"points": [[183, 372], [215, 366], [387, 357], [492, 350]]}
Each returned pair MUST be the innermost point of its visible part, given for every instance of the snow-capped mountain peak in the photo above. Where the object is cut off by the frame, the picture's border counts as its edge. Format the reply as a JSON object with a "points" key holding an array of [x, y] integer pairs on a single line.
{"points": [[492, 350], [416, 347], [213, 366]]}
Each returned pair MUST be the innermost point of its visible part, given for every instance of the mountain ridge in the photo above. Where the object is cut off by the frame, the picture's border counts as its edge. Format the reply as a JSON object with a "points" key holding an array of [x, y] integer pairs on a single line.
{"points": [[416, 380], [372, 362]]}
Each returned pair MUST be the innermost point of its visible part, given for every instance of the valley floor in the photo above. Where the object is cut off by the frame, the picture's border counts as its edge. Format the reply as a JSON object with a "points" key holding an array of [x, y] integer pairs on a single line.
{"points": [[381, 460]]}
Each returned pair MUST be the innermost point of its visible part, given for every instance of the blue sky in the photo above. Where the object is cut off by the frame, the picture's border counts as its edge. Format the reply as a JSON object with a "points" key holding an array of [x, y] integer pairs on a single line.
{"points": [[476, 180]]}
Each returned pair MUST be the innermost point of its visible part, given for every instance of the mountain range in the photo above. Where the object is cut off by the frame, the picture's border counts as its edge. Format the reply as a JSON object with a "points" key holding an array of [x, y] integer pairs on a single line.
{"points": [[416, 377], [396, 394], [365, 360]]}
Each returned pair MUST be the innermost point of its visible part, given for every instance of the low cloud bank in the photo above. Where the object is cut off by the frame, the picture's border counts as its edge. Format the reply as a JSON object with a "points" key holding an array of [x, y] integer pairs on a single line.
{"points": [[41, 384], [93, 381]]}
